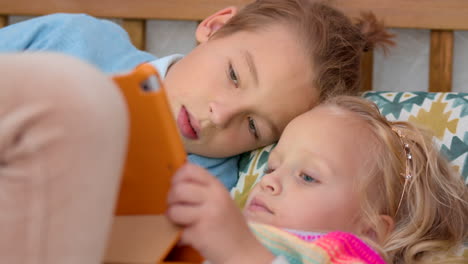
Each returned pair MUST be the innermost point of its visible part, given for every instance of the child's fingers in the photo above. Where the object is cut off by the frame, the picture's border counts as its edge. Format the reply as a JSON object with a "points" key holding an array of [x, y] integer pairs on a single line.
{"points": [[193, 173], [188, 237], [183, 214], [186, 192]]}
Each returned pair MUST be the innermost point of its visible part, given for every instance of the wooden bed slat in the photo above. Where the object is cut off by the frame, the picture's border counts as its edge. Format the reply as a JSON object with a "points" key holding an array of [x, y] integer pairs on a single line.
{"points": [[142, 9], [3, 21], [441, 61], [367, 69], [429, 14], [136, 29]]}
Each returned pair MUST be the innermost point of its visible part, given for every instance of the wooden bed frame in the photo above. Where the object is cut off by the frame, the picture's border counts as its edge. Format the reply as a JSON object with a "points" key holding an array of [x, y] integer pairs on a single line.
{"points": [[442, 17]]}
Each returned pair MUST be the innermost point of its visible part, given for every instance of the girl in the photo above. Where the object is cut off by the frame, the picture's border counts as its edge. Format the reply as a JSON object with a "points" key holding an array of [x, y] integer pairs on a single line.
{"points": [[344, 173]]}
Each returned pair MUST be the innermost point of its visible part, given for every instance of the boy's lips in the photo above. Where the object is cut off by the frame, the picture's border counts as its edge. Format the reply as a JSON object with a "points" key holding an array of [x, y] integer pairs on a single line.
{"points": [[187, 124], [257, 205]]}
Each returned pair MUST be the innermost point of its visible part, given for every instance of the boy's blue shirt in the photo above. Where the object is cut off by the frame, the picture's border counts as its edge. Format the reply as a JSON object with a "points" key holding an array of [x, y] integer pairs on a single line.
{"points": [[105, 45]]}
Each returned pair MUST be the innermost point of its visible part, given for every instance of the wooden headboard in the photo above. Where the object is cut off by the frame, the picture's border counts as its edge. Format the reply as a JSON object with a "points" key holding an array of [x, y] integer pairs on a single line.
{"points": [[442, 17]]}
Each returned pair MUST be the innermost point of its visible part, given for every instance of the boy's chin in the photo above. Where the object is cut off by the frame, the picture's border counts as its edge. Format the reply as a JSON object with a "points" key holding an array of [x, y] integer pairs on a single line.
{"points": [[194, 147], [206, 150]]}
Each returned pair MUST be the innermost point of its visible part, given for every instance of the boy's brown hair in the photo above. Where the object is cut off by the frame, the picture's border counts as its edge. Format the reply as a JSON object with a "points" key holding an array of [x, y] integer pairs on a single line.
{"points": [[332, 42]]}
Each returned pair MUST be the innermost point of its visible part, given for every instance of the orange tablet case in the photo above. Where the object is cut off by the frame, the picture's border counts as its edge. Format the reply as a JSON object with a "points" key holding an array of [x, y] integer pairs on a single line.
{"points": [[141, 233]]}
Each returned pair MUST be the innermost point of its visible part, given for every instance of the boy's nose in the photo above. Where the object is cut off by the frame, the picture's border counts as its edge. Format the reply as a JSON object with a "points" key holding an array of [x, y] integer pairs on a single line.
{"points": [[223, 114]]}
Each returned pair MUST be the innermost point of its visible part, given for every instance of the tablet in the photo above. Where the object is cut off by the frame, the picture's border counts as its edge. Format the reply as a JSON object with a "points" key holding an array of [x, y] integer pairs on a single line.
{"points": [[140, 232], [155, 149]]}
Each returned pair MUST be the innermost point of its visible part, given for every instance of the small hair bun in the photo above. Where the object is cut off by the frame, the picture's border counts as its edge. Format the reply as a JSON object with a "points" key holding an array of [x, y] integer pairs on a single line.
{"points": [[374, 33], [366, 48]]}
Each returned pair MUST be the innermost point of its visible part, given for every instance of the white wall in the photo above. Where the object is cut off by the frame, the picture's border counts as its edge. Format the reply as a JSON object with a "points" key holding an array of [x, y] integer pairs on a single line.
{"points": [[406, 67]]}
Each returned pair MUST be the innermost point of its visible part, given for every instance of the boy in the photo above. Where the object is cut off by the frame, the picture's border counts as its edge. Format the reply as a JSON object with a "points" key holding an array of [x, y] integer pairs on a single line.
{"points": [[221, 93], [248, 77]]}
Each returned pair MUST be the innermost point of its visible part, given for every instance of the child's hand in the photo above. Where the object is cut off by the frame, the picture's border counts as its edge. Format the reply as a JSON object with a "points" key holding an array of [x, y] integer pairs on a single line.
{"points": [[212, 223]]}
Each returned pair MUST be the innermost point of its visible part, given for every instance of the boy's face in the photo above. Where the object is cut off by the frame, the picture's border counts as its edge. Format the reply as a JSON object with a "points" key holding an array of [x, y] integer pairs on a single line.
{"points": [[237, 93], [310, 182]]}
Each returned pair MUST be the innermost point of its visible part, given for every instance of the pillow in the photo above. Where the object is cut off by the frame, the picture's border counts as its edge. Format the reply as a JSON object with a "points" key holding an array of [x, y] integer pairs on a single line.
{"points": [[445, 113], [252, 166]]}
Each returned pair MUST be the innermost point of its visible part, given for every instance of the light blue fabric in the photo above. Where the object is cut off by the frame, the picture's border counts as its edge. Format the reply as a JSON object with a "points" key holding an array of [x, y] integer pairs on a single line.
{"points": [[100, 42], [224, 169], [103, 44]]}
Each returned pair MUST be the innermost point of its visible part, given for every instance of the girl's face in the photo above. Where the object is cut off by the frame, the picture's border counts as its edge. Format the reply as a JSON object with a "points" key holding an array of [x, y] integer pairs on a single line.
{"points": [[312, 174]]}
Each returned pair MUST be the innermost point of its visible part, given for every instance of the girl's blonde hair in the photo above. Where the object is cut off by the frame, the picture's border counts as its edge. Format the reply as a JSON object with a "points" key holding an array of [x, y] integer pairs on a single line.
{"points": [[432, 218], [333, 44]]}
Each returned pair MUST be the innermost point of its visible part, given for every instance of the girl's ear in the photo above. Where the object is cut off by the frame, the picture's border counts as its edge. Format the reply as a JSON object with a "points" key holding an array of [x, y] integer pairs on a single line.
{"points": [[380, 232], [214, 22]]}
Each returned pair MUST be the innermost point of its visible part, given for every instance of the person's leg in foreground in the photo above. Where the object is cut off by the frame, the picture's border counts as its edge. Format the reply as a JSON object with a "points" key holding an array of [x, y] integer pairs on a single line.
{"points": [[63, 134]]}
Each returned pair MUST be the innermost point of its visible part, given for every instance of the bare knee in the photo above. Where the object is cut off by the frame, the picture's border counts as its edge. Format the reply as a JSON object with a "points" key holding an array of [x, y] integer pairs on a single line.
{"points": [[61, 93], [74, 89]]}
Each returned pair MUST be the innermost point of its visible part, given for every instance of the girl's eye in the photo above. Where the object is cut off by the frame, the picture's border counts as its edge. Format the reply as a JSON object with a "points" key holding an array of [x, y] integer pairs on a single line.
{"points": [[233, 75], [252, 127], [307, 178], [268, 170]]}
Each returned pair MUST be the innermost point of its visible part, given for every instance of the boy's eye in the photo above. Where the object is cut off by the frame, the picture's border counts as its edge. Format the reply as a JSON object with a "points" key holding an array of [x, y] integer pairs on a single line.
{"points": [[233, 75], [252, 127], [268, 170], [307, 178]]}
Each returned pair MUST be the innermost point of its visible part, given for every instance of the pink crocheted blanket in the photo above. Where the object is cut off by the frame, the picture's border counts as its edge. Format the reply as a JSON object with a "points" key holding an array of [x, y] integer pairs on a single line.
{"points": [[334, 247]]}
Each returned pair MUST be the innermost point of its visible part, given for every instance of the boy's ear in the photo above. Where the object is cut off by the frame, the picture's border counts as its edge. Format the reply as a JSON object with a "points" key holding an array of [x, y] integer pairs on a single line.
{"points": [[214, 22], [380, 232]]}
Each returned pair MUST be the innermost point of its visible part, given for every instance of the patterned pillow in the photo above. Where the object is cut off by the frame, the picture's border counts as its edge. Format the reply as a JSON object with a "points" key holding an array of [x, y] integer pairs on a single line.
{"points": [[252, 166], [445, 113]]}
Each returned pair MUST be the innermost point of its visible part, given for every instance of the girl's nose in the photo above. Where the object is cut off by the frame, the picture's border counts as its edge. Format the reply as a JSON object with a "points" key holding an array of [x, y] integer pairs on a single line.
{"points": [[271, 183]]}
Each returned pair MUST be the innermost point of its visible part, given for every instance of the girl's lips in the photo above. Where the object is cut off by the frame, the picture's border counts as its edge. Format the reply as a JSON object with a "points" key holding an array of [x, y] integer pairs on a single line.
{"points": [[256, 205], [184, 122]]}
